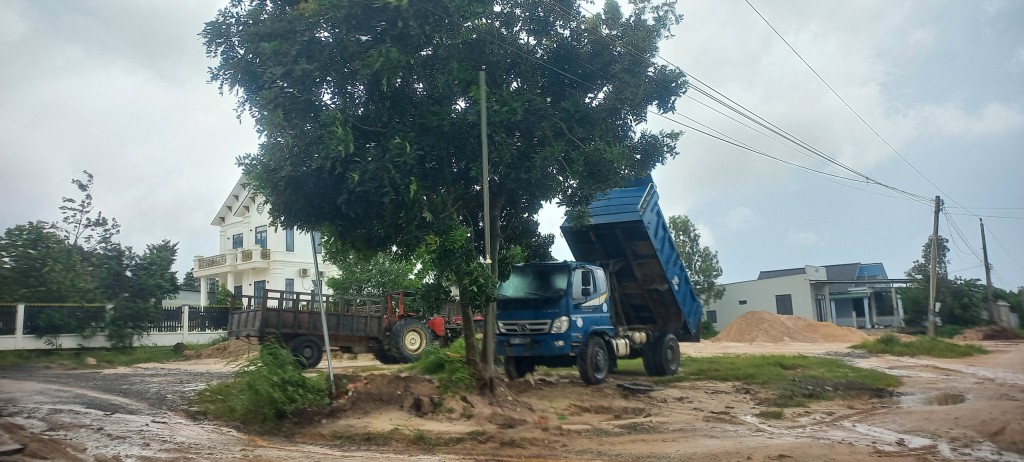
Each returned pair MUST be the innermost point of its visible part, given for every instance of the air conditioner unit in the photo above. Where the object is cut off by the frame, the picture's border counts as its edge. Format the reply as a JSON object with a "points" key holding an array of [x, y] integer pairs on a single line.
{"points": [[304, 272]]}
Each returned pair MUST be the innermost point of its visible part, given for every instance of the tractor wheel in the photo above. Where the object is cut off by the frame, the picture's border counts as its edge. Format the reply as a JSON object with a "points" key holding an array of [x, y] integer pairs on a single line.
{"points": [[384, 356], [308, 351], [593, 361], [409, 338], [661, 356], [517, 367]]}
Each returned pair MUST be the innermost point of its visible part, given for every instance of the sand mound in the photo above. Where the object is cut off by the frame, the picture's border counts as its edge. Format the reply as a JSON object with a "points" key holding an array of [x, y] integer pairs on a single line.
{"points": [[762, 326], [987, 333], [234, 349]]}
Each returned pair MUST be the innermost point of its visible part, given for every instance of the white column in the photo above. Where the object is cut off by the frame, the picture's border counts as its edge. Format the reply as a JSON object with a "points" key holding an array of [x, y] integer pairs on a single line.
{"points": [[832, 305], [204, 288], [19, 325], [184, 320], [867, 312]]}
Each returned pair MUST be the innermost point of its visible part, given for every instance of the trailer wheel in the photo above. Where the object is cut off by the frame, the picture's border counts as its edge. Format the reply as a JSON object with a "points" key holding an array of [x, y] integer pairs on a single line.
{"points": [[517, 367], [661, 356], [409, 339], [308, 351], [593, 361]]}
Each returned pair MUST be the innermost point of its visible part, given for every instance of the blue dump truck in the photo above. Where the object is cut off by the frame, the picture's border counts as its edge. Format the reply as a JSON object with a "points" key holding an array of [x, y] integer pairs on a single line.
{"points": [[628, 296]]}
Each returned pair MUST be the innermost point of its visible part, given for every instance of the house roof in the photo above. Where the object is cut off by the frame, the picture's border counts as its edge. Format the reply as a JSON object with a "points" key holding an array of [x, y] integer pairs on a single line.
{"points": [[239, 201]]}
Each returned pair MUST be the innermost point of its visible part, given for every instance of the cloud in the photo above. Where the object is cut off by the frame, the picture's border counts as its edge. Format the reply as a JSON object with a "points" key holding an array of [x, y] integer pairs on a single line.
{"points": [[804, 238], [740, 218], [953, 121]]}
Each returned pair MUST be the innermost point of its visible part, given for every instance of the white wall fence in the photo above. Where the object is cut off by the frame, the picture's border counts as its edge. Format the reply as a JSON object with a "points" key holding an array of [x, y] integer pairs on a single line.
{"points": [[19, 324]]}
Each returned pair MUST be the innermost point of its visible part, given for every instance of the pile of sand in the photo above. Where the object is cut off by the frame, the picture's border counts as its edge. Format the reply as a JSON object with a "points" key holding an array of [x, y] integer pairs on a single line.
{"points": [[987, 333], [234, 349], [762, 326]]}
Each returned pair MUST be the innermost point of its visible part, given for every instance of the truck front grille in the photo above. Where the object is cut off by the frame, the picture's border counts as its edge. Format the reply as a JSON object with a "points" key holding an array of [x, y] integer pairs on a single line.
{"points": [[524, 327]]}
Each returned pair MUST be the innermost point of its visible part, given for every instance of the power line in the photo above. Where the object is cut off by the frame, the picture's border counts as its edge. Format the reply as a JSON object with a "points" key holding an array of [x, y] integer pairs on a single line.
{"points": [[985, 216], [865, 122]]}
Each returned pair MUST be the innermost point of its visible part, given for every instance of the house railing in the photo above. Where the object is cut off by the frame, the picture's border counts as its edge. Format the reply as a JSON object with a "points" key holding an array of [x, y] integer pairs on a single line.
{"points": [[247, 255], [264, 254], [210, 262]]}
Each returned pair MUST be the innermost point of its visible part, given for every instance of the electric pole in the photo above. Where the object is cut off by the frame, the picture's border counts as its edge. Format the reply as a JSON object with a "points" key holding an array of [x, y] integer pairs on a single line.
{"points": [[933, 273], [988, 274], [491, 260]]}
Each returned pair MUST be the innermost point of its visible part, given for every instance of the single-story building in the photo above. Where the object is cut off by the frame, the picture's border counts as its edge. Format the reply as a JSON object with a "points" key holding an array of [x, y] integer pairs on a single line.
{"points": [[852, 295]]}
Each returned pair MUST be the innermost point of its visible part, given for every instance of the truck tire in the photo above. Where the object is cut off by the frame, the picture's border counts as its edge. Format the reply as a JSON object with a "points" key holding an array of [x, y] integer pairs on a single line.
{"points": [[593, 361], [517, 367], [409, 338], [308, 351], [661, 356]]}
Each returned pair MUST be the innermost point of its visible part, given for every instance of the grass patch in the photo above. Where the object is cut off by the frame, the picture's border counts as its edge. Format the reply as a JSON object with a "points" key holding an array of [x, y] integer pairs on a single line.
{"points": [[948, 331], [889, 344], [448, 367], [265, 390], [772, 414], [408, 438], [789, 380], [77, 358]]}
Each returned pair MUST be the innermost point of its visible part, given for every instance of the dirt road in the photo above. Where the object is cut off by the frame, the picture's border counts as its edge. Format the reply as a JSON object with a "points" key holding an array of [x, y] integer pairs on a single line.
{"points": [[965, 409]]}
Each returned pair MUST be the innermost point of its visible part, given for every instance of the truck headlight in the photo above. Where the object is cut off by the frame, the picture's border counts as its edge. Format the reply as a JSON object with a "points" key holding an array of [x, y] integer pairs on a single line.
{"points": [[560, 325]]}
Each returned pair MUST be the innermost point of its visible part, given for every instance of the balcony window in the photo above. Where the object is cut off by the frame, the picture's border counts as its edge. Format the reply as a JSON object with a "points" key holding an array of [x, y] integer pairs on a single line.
{"points": [[261, 236], [318, 247], [289, 240], [237, 241]]}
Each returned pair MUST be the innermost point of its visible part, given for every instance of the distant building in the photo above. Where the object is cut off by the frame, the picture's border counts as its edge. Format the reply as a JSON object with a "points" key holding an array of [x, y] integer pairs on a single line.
{"points": [[254, 254], [853, 295]]}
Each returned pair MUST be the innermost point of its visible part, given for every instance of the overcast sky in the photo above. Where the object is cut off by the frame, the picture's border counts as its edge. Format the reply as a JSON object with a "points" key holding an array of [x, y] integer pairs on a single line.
{"points": [[120, 88]]}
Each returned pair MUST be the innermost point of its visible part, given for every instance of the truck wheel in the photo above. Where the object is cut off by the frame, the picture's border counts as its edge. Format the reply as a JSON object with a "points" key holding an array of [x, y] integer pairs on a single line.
{"points": [[307, 350], [409, 339], [593, 361], [517, 367], [661, 356]]}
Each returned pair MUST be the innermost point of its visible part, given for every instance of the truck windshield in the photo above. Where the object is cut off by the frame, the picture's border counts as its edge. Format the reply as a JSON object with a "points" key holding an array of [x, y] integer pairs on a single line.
{"points": [[535, 282]]}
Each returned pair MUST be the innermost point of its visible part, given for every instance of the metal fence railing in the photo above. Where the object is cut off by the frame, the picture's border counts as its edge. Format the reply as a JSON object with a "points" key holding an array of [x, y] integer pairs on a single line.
{"points": [[208, 318], [8, 320], [64, 319]]}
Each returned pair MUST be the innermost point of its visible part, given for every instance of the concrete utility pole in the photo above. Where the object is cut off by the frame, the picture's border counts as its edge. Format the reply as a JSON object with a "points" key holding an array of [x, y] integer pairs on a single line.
{"points": [[323, 313], [490, 260], [990, 303], [933, 275]]}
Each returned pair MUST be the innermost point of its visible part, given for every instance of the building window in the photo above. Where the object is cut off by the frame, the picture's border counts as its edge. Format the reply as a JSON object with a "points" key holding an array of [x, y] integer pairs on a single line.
{"points": [[784, 304], [712, 316], [237, 241], [289, 240], [743, 302], [289, 288], [261, 236], [238, 293], [822, 311], [259, 290], [318, 247]]}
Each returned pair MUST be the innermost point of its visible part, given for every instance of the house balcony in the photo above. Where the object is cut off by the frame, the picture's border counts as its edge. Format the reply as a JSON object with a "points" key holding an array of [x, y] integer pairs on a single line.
{"points": [[233, 260]]}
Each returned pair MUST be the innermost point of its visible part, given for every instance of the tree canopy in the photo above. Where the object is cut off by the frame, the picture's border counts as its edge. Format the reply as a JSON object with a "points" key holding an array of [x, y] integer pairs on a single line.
{"points": [[701, 262], [962, 299], [369, 113]]}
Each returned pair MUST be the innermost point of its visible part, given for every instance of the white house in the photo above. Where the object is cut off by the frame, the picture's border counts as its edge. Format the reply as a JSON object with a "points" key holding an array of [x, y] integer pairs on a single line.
{"points": [[254, 254], [852, 295]]}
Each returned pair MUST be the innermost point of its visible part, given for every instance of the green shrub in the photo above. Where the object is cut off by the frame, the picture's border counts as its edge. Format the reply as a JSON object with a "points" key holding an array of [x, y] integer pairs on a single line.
{"points": [[948, 331], [707, 330], [447, 366], [265, 390], [890, 344]]}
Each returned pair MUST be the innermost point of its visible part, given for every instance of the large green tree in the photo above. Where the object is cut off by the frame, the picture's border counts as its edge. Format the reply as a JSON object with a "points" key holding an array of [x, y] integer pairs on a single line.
{"points": [[701, 262], [369, 115], [370, 277]]}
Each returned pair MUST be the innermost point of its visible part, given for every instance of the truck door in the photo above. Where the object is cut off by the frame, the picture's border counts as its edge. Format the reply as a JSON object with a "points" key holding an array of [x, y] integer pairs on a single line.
{"points": [[589, 290]]}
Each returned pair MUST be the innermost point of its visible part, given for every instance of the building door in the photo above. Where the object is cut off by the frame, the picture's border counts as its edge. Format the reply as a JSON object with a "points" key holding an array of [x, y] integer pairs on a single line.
{"points": [[237, 290], [258, 291], [784, 304]]}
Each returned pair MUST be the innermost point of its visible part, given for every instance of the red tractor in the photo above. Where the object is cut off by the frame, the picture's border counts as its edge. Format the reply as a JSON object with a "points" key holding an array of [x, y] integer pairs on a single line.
{"points": [[405, 337]]}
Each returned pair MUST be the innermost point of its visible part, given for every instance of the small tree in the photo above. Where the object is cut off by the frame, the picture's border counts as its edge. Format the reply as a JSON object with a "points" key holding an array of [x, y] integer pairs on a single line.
{"points": [[701, 262], [79, 226], [372, 276], [152, 280], [38, 266]]}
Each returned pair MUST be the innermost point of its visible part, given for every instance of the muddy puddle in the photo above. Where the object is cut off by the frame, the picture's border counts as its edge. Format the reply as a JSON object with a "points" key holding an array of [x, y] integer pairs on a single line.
{"points": [[933, 399]]}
